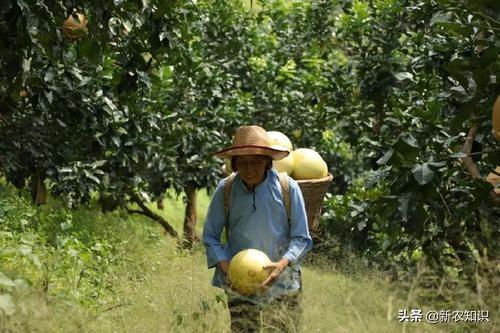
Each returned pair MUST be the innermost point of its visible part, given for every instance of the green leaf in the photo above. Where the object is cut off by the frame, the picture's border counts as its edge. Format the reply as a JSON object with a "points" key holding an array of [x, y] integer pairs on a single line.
{"points": [[91, 176], [116, 139], [437, 164], [387, 156], [440, 17], [407, 147], [100, 163], [121, 130], [404, 76], [66, 170], [422, 173]]}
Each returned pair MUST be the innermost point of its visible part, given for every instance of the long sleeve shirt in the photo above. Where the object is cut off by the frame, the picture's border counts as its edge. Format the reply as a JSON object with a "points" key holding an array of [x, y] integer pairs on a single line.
{"points": [[258, 220]]}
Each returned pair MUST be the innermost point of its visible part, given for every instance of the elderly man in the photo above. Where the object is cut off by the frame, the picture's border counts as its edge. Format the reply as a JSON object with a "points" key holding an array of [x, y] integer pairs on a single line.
{"points": [[250, 205]]}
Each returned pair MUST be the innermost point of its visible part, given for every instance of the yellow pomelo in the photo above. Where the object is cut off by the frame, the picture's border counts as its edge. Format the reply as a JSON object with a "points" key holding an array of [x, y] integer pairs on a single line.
{"points": [[280, 139], [308, 164], [496, 118], [284, 165], [246, 271]]}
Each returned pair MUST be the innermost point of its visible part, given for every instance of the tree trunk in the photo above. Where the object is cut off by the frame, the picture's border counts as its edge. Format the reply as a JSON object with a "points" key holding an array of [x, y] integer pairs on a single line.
{"points": [[190, 217], [38, 189], [159, 204]]}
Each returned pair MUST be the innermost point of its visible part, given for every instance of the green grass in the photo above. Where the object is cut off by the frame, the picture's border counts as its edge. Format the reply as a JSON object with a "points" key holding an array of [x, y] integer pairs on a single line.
{"points": [[148, 284]]}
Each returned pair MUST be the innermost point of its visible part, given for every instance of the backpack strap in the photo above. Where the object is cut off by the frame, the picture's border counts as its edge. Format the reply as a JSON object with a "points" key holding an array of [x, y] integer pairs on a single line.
{"points": [[285, 193], [227, 198]]}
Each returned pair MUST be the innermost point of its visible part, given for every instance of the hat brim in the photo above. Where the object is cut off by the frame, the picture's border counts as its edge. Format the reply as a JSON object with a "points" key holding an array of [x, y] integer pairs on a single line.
{"points": [[275, 154]]}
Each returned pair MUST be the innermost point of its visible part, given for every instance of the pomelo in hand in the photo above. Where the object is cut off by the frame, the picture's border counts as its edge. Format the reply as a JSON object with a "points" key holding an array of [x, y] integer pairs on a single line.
{"points": [[246, 271], [308, 164]]}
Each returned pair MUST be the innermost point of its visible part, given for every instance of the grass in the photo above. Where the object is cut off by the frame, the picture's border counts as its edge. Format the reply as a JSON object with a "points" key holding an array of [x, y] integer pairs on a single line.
{"points": [[150, 285]]}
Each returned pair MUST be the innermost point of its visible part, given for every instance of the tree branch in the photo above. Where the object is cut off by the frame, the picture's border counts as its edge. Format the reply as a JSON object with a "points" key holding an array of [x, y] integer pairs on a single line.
{"points": [[469, 164], [149, 213], [467, 149]]}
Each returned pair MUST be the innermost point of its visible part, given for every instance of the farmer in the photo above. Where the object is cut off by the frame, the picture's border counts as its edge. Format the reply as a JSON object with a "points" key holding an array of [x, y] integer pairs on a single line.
{"points": [[257, 219]]}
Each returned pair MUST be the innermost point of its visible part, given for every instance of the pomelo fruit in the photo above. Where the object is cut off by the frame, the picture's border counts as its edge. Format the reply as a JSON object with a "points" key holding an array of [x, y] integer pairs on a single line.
{"points": [[308, 164], [280, 139], [284, 165], [246, 271], [75, 26]]}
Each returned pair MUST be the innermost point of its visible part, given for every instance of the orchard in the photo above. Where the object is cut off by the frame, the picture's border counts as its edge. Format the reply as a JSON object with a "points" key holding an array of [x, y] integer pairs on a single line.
{"points": [[110, 112]]}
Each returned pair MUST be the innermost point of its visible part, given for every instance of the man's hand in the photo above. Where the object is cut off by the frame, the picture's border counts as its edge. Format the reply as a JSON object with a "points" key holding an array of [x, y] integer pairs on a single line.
{"points": [[276, 269], [224, 267]]}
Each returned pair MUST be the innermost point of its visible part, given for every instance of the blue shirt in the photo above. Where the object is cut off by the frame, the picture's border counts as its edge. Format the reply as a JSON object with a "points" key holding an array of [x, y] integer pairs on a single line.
{"points": [[266, 229]]}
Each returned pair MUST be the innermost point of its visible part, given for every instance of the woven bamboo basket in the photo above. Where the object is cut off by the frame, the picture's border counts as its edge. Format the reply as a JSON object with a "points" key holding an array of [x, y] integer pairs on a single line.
{"points": [[313, 191]]}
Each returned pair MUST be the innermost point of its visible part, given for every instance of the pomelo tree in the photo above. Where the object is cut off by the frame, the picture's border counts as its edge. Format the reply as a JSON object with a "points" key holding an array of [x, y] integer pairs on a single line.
{"points": [[419, 84], [75, 111]]}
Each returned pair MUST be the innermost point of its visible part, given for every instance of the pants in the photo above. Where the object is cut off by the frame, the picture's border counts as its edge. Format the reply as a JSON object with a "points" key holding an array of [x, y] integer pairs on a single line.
{"points": [[282, 315]]}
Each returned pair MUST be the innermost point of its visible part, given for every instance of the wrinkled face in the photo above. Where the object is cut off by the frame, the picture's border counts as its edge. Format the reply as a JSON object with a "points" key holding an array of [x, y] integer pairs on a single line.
{"points": [[251, 168]]}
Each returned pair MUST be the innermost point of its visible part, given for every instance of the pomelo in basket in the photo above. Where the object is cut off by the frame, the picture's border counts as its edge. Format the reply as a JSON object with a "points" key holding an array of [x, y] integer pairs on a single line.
{"points": [[284, 165], [280, 139], [246, 271], [308, 164]]}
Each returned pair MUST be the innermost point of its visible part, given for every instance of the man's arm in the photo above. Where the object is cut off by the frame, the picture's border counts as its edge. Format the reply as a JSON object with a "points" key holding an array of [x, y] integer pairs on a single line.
{"points": [[300, 240]]}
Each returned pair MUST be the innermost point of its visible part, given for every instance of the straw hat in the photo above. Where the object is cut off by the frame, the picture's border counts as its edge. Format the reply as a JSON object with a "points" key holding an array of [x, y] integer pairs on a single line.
{"points": [[252, 140]]}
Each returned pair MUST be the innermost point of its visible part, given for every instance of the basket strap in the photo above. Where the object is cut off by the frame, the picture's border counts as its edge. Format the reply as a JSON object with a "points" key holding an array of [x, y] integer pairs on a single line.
{"points": [[285, 193], [227, 199]]}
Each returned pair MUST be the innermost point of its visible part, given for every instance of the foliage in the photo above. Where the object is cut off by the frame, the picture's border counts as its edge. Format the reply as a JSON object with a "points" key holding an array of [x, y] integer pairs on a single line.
{"points": [[76, 111], [73, 256], [387, 91], [422, 86]]}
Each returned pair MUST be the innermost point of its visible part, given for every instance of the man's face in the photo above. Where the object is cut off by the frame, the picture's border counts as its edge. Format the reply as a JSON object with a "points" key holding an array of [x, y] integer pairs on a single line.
{"points": [[251, 168]]}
